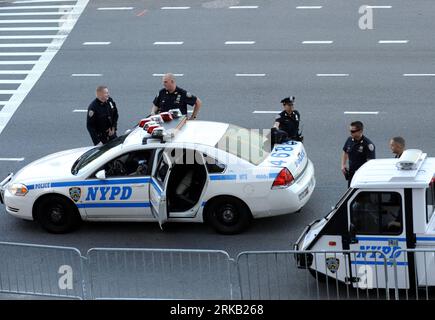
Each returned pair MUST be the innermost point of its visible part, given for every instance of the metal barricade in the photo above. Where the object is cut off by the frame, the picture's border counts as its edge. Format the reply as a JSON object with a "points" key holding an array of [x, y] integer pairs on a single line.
{"points": [[414, 271], [51, 271], [350, 275], [159, 274]]}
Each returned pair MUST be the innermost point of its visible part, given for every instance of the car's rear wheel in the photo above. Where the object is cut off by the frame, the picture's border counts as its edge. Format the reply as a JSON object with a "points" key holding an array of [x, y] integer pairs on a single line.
{"points": [[228, 215], [57, 214]]}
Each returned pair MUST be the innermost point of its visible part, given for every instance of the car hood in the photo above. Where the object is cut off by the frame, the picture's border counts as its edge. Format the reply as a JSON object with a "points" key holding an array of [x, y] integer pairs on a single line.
{"points": [[49, 168]]}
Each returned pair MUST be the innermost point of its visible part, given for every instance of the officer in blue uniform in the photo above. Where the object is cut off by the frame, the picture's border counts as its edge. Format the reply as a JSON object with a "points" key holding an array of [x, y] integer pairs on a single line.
{"points": [[174, 97], [102, 118], [286, 126], [358, 149]]}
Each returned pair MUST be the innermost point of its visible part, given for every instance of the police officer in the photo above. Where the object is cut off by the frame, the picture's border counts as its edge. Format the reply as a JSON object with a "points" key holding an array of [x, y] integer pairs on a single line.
{"points": [[397, 146], [288, 120], [102, 117], [173, 97], [358, 149]]}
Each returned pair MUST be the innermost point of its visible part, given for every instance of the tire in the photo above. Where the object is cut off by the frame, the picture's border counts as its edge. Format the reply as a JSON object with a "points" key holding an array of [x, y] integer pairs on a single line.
{"points": [[228, 215], [57, 215], [318, 275]]}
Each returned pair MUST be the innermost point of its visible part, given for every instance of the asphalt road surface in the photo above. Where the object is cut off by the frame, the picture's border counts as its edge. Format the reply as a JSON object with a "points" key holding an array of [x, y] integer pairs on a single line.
{"points": [[239, 57]]}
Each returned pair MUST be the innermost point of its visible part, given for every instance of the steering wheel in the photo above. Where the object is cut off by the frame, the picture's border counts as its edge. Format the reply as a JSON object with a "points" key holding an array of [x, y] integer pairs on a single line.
{"points": [[116, 168]]}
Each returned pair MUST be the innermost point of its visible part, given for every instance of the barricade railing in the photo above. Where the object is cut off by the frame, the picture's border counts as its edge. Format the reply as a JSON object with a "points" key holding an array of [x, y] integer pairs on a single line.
{"points": [[159, 274], [329, 275], [115, 273], [414, 271], [51, 271]]}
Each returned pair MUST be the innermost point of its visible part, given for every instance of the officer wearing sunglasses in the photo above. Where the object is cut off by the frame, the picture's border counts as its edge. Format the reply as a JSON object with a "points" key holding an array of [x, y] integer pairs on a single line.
{"points": [[358, 149]]}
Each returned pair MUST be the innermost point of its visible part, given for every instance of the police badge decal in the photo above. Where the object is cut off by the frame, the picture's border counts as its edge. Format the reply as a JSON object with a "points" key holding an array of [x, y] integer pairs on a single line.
{"points": [[332, 264], [75, 193]]}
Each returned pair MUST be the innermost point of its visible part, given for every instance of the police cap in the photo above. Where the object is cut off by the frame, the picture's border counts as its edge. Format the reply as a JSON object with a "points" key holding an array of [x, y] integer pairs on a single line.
{"points": [[288, 100]]}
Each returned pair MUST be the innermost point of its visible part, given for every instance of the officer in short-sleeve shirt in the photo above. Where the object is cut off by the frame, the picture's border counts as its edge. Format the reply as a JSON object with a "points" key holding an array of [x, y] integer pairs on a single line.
{"points": [[288, 120], [358, 149], [174, 97]]}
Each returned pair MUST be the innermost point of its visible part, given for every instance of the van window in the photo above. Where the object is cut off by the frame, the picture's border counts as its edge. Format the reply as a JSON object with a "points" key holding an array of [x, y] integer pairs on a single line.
{"points": [[377, 213], [430, 200]]}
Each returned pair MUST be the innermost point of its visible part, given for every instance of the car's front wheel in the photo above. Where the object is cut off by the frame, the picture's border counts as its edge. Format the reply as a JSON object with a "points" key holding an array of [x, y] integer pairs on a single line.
{"points": [[228, 215], [56, 214]]}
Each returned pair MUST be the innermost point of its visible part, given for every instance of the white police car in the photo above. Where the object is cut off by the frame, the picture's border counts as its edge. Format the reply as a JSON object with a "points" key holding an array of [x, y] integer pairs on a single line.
{"points": [[175, 170]]}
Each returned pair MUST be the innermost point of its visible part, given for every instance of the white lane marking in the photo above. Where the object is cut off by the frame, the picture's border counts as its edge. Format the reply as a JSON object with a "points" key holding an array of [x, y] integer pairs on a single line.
{"points": [[15, 71], [80, 110], [11, 81], [392, 41], [10, 14], [33, 76], [318, 42], [18, 62], [86, 75], [266, 112], [33, 37], [309, 7], [162, 74], [32, 29], [243, 7], [175, 8], [20, 54], [24, 45], [102, 43], [115, 8], [11, 159], [419, 74], [34, 21], [7, 92], [361, 112], [239, 42], [379, 7], [37, 7], [3, 102], [250, 74], [332, 74], [168, 43], [39, 1]]}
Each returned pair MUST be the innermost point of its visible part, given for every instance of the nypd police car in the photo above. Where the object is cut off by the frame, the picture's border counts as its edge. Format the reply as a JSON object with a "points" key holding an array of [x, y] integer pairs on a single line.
{"points": [[165, 169]]}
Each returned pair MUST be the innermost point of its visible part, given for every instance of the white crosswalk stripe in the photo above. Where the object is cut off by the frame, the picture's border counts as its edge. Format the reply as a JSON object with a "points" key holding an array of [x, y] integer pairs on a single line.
{"points": [[17, 56]]}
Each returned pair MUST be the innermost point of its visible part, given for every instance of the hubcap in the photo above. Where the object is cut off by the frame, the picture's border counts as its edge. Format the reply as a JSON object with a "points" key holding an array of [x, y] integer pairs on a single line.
{"points": [[228, 214], [56, 214]]}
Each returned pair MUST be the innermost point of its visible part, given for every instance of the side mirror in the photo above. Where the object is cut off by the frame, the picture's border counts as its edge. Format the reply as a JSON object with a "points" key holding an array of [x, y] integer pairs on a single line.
{"points": [[352, 234], [101, 174]]}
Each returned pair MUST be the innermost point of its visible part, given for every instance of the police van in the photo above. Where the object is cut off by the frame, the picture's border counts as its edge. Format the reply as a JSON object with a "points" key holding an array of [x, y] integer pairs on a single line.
{"points": [[165, 169], [388, 208]]}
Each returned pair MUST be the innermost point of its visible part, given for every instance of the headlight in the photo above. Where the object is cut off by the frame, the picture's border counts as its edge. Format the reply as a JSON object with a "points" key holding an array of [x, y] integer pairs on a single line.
{"points": [[18, 189]]}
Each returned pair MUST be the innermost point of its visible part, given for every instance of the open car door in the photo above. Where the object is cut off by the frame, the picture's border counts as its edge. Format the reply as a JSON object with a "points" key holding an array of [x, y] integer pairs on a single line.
{"points": [[158, 184]]}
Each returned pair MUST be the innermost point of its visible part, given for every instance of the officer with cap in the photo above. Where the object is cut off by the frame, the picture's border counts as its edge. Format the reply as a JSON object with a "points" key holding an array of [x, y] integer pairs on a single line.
{"points": [[174, 97], [358, 149], [286, 126], [102, 117]]}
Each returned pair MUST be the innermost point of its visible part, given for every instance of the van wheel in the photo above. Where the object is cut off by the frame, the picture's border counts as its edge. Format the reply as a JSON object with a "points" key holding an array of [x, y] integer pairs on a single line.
{"points": [[318, 275], [228, 215], [57, 215]]}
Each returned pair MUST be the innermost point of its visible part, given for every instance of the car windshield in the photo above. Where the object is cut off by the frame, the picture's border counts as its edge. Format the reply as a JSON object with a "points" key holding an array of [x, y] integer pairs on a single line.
{"points": [[95, 153], [247, 144]]}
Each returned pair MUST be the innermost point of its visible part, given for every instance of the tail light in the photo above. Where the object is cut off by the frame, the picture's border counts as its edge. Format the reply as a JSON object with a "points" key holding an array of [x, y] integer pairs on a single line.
{"points": [[143, 122], [166, 116], [283, 179]]}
